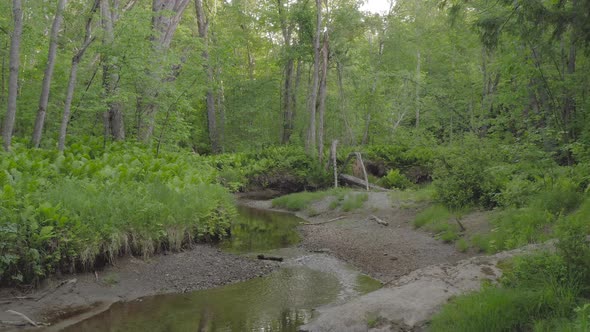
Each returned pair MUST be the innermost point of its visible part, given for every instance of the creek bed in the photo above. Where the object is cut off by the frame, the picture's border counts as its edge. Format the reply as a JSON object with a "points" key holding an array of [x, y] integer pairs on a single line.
{"points": [[280, 301]]}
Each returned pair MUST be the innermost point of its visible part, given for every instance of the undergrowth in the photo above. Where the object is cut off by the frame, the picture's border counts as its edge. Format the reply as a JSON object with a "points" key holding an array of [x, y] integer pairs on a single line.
{"points": [[70, 212]]}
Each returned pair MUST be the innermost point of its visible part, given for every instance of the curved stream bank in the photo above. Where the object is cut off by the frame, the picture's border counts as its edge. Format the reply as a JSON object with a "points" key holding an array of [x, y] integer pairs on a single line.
{"points": [[280, 301]]}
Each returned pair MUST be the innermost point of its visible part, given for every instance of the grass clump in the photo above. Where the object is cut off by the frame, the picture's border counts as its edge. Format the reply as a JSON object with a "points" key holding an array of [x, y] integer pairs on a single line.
{"points": [[353, 201], [434, 214], [301, 201], [547, 291], [343, 198]]}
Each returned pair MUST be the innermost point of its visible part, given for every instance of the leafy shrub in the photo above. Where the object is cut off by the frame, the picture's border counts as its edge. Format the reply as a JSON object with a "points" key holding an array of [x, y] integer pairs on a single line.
{"points": [[66, 212], [462, 179], [394, 179]]}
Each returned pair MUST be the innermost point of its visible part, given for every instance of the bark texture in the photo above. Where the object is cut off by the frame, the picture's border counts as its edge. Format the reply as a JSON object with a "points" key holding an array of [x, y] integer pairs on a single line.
{"points": [[48, 75], [313, 93], [203, 27], [166, 17], [73, 77], [8, 125]]}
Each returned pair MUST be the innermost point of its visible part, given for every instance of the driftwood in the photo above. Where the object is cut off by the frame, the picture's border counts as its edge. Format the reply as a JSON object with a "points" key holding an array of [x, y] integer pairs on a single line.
{"points": [[360, 159], [270, 258], [323, 222], [23, 316], [460, 224], [63, 282], [379, 220], [354, 181]]}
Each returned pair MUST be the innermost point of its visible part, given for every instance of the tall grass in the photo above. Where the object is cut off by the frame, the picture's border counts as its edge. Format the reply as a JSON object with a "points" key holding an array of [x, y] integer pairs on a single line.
{"points": [[68, 212]]}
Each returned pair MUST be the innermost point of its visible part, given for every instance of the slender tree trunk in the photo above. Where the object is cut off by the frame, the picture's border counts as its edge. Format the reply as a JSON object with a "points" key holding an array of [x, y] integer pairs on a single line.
{"points": [[322, 96], [313, 94], [221, 109], [3, 83], [166, 17], [8, 125], [46, 85], [203, 27], [343, 108], [73, 77], [114, 125], [288, 102], [569, 103], [418, 63]]}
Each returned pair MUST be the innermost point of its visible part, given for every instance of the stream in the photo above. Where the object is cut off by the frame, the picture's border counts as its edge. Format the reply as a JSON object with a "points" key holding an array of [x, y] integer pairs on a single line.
{"points": [[280, 301]]}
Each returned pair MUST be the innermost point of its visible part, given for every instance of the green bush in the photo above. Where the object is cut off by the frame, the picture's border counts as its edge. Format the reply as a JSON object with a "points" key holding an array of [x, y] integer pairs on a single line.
{"points": [[394, 179], [462, 178], [65, 212]]}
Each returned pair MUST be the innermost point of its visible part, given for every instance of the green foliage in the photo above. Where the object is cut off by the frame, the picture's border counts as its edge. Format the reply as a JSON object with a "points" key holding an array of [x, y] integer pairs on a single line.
{"points": [[461, 177], [343, 198], [410, 158], [353, 201], [65, 212], [462, 245], [542, 292], [439, 220], [300, 201], [394, 179], [285, 168], [435, 214]]}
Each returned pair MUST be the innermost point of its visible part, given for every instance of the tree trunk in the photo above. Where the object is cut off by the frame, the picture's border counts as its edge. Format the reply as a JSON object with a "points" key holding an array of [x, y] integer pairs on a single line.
{"points": [[114, 125], [72, 81], [166, 17], [418, 59], [288, 94], [203, 27], [323, 94], [343, 109], [3, 78], [221, 109], [9, 120], [313, 94], [46, 85]]}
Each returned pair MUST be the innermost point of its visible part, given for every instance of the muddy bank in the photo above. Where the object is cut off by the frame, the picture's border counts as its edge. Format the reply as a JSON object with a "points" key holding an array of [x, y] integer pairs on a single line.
{"points": [[130, 278], [384, 252]]}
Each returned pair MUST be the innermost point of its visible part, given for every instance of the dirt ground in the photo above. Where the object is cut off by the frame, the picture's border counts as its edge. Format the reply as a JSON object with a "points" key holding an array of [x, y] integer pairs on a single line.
{"points": [[78, 295], [384, 252]]}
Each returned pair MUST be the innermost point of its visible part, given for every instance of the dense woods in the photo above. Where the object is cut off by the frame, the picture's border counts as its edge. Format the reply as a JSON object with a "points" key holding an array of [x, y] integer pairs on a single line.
{"points": [[214, 76], [145, 105]]}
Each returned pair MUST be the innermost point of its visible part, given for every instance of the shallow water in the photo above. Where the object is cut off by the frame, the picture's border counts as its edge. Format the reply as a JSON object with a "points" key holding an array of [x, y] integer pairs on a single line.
{"points": [[281, 301], [260, 230]]}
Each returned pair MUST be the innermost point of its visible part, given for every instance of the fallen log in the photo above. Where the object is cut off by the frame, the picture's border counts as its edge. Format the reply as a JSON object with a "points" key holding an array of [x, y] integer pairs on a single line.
{"points": [[379, 220], [23, 316], [354, 181], [270, 258]]}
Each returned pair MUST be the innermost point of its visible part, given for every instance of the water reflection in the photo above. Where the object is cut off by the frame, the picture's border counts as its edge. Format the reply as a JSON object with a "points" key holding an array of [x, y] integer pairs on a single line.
{"points": [[281, 301], [259, 230]]}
